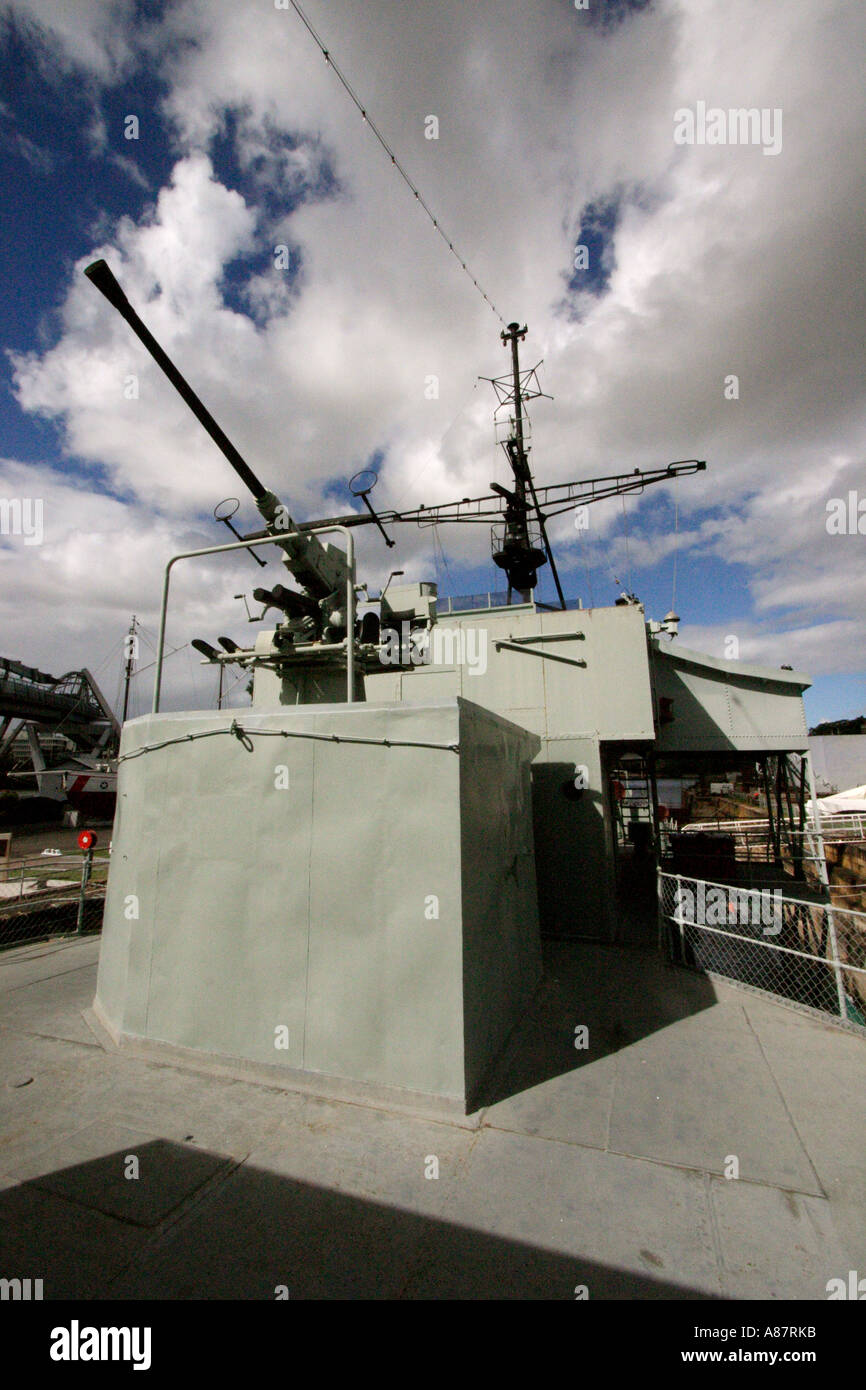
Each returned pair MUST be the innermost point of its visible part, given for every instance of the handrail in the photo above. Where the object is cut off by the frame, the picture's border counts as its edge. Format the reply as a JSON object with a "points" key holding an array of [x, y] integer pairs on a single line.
{"points": [[248, 545], [826, 824]]}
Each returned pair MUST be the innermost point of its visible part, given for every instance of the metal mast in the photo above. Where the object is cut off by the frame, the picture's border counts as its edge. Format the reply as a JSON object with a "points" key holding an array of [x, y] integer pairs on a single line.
{"points": [[519, 547], [127, 674]]}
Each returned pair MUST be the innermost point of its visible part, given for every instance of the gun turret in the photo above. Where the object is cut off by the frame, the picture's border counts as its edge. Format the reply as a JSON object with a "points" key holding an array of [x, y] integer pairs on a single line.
{"points": [[319, 567]]}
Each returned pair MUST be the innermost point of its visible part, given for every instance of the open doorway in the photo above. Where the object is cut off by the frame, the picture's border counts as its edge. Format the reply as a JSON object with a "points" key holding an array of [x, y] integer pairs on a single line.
{"points": [[631, 793]]}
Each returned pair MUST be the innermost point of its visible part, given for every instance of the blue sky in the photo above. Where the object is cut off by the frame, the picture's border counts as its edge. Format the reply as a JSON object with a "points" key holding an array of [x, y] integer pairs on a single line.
{"points": [[703, 262]]}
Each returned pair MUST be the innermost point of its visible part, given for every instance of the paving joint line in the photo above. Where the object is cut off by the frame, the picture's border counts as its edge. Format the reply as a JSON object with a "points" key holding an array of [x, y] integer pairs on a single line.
{"points": [[609, 1119], [659, 1162], [721, 1272], [183, 1211], [56, 975], [784, 1101], [64, 1138], [8, 1028]]}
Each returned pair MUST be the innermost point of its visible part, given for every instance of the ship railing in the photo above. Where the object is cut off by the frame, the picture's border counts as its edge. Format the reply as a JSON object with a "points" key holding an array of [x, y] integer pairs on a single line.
{"points": [[44, 896], [808, 954], [831, 828]]}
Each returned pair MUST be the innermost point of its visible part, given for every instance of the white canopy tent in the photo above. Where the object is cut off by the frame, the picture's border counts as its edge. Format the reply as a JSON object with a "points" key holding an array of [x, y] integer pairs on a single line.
{"points": [[851, 802]]}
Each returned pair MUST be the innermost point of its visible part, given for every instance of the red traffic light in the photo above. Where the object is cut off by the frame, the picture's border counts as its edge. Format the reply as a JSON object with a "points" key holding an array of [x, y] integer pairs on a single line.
{"points": [[86, 840]]}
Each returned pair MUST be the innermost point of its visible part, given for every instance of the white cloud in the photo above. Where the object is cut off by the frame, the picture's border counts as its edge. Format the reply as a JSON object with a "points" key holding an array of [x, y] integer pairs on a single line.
{"points": [[88, 35], [829, 648], [725, 261]]}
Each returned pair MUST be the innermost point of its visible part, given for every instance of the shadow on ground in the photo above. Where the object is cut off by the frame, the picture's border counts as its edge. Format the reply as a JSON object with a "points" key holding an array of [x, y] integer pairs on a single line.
{"points": [[618, 995], [197, 1225]]}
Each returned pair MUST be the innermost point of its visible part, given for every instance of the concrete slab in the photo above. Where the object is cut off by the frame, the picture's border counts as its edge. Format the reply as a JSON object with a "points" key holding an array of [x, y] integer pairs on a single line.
{"points": [[680, 1097], [21, 887], [121, 1172], [412, 1163], [76, 1252], [546, 1086], [36, 960], [49, 1089], [41, 984], [658, 1043], [774, 1244], [246, 1186], [603, 1211], [260, 1231], [218, 1114], [573, 1107], [820, 1074]]}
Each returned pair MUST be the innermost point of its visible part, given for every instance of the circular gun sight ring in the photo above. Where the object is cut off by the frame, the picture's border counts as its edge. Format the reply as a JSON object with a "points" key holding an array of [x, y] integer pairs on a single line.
{"points": [[363, 482]]}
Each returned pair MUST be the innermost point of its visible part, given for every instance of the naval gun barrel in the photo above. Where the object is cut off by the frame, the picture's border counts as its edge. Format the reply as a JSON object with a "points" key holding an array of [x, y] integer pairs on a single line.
{"points": [[320, 568], [102, 277]]}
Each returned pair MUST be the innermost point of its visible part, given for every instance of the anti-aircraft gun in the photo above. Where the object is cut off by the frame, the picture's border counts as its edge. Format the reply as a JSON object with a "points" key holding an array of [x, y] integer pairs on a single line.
{"points": [[312, 656], [312, 625]]}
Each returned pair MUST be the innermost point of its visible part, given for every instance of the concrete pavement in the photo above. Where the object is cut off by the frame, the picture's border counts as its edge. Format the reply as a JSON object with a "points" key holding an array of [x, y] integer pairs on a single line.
{"points": [[603, 1168]]}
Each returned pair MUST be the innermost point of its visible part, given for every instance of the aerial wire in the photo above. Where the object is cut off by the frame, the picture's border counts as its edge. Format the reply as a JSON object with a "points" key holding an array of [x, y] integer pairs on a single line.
{"points": [[627, 551], [584, 555], [150, 665], [676, 534], [387, 148], [444, 571]]}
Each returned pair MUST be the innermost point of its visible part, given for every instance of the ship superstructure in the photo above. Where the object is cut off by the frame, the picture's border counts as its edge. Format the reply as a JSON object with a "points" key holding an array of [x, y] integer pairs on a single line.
{"points": [[349, 880]]}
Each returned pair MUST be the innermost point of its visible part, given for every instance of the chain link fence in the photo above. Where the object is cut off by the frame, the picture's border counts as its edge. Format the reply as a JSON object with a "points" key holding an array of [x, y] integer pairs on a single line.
{"points": [[809, 953], [46, 896]]}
